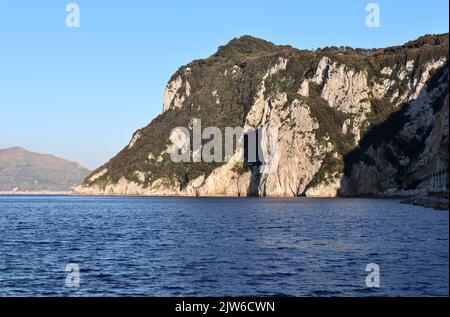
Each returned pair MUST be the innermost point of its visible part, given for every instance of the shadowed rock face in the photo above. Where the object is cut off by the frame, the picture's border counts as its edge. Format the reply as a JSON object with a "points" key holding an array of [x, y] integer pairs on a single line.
{"points": [[349, 121], [25, 171]]}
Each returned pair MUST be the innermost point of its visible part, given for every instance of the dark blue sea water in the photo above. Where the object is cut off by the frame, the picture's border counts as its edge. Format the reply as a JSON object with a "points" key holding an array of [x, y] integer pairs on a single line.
{"points": [[214, 247]]}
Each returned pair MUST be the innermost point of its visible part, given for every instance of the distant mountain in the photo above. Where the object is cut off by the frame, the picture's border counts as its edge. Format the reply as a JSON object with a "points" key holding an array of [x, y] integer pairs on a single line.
{"points": [[24, 171], [350, 122]]}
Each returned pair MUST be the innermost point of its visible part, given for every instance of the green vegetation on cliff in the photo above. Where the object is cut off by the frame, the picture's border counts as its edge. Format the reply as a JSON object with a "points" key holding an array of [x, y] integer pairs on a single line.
{"points": [[222, 89]]}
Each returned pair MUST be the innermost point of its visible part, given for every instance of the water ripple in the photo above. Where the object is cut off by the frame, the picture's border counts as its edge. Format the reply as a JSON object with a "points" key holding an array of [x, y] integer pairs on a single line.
{"points": [[216, 247]]}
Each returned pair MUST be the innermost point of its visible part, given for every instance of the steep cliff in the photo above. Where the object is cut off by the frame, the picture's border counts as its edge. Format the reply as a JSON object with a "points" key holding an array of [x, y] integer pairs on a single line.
{"points": [[349, 121]]}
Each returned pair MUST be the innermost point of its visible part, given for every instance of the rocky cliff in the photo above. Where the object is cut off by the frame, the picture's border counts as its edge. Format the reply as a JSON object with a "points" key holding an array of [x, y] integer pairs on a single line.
{"points": [[350, 122]]}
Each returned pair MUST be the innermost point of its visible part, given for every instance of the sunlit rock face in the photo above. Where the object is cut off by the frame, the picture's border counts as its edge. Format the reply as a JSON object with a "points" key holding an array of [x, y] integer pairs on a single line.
{"points": [[25, 172], [347, 123]]}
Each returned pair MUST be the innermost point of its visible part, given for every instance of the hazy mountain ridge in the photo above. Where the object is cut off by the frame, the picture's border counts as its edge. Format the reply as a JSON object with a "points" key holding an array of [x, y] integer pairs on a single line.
{"points": [[24, 171], [350, 121]]}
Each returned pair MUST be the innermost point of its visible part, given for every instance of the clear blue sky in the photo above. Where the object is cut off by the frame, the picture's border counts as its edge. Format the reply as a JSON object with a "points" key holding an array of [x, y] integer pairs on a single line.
{"points": [[81, 93]]}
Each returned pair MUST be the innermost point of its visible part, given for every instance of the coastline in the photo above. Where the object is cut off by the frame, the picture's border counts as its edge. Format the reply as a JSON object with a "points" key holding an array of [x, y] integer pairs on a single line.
{"points": [[434, 200], [39, 193], [429, 202], [438, 203]]}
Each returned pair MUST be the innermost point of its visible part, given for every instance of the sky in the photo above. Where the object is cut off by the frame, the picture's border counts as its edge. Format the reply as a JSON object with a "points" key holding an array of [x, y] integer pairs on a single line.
{"points": [[80, 93]]}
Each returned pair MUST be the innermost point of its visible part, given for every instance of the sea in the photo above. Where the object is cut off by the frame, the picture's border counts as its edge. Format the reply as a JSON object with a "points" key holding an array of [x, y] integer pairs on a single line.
{"points": [[172, 246]]}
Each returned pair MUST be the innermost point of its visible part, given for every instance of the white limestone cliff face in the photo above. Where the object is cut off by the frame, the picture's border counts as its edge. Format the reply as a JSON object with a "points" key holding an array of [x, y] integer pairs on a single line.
{"points": [[126, 187], [381, 176], [173, 97], [388, 86], [224, 182], [254, 117], [425, 76], [300, 153], [344, 89], [96, 176], [326, 190], [435, 155], [134, 139], [299, 156]]}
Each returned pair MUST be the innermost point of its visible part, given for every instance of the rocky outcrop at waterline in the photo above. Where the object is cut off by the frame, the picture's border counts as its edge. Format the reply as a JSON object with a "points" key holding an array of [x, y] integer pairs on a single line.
{"points": [[350, 122]]}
